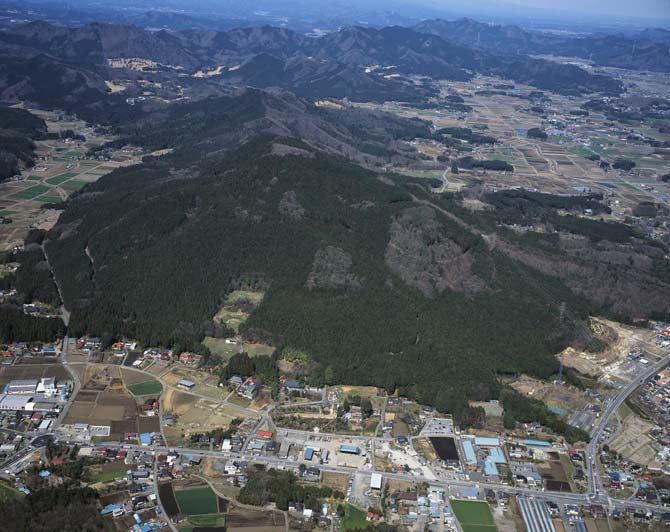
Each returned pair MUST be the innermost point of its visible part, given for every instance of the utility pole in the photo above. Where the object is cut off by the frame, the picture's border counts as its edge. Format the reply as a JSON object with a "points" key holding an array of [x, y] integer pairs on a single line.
{"points": [[561, 318]]}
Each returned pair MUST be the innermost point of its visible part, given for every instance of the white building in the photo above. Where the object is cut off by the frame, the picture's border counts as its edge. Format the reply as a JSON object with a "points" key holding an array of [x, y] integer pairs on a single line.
{"points": [[376, 481], [16, 402], [48, 387]]}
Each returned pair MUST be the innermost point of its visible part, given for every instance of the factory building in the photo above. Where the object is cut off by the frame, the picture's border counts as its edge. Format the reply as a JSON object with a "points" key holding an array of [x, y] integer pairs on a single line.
{"points": [[21, 386]]}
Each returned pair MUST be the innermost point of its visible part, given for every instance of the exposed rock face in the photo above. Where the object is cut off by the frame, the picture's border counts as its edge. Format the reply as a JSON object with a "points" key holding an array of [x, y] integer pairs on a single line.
{"points": [[332, 269], [421, 253], [284, 150], [290, 206]]}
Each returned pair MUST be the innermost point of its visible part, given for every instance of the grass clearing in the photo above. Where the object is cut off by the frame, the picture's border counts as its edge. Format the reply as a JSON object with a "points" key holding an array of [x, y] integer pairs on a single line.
{"points": [[76, 184], [474, 516], [354, 519], [207, 520], [105, 476], [245, 295], [32, 192], [625, 411], [146, 388], [7, 493], [197, 501]]}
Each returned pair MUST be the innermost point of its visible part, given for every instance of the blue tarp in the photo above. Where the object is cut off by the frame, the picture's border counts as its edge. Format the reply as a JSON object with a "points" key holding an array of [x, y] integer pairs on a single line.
{"points": [[537, 443]]}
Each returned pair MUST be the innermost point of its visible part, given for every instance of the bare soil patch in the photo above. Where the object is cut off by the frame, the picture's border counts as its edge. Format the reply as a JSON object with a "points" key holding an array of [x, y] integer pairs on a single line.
{"points": [[29, 372], [134, 377], [245, 518]]}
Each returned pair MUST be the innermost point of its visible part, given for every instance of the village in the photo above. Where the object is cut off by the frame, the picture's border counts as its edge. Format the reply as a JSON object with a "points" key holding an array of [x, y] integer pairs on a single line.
{"points": [[168, 442]]}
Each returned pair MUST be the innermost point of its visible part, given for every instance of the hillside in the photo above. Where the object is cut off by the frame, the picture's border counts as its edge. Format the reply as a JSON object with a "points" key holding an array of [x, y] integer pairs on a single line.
{"points": [[18, 129], [371, 138], [650, 50], [379, 283]]}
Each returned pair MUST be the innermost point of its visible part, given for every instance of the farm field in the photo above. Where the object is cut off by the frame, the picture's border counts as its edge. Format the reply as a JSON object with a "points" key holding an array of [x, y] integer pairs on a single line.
{"points": [[74, 184], [49, 199], [559, 165], [168, 499], [32, 192], [243, 519], [474, 516], [197, 501], [152, 387], [61, 170], [37, 372], [103, 400], [131, 377], [60, 178]]}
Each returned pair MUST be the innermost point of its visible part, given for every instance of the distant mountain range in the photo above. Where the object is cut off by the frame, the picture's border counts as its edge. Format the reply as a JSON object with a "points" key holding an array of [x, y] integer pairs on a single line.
{"points": [[364, 64], [649, 50]]}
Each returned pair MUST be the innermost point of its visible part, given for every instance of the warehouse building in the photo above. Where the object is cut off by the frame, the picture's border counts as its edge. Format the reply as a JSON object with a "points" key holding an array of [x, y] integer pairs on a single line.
{"points": [[16, 402], [186, 384], [349, 449], [535, 515], [376, 481], [21, 386]]}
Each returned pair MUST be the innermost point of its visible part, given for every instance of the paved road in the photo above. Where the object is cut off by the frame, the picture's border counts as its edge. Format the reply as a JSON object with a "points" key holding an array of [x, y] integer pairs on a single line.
{"points": [[595, 485], [272, 461], [76, 383]]}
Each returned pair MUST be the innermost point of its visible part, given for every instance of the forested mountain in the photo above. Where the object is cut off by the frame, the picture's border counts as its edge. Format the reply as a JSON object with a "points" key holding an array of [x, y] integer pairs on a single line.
{"points": [[358, 63], [366, 136], [381, 283], [649, 50], [18, 129]]}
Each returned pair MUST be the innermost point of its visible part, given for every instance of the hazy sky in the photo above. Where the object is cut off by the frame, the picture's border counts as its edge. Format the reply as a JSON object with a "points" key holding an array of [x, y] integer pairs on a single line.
{"points": [[633, 8]]}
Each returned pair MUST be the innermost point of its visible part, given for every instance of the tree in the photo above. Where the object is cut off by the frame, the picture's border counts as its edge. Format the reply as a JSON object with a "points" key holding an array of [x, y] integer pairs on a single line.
{"points": [[536, 133], [366, 407], [508, 421], [329, 375], [624, 164]]}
